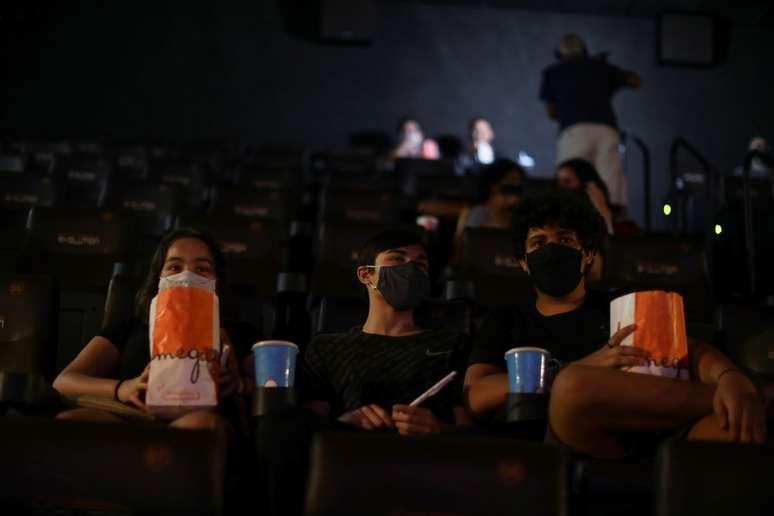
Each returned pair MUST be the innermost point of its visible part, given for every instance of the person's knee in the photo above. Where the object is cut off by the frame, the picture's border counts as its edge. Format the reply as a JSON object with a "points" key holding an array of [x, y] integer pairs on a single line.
{"points": [[87, 414], [573, 388]]}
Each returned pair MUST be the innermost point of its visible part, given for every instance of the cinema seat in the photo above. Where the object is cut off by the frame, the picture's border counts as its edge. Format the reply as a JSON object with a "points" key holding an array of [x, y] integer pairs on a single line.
{"points": [[28, 324], [28, 190], [280, 205], [78, 247], [359, 205], [65, 467], [84, 178], [13, 232], [662, 262], [488, 261], [746, 334], [700, 478], [385, 474]]}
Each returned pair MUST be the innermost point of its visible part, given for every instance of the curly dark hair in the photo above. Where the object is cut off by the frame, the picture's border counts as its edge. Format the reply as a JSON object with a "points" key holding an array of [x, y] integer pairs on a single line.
{"points": [[150, 286], [566, 209]]}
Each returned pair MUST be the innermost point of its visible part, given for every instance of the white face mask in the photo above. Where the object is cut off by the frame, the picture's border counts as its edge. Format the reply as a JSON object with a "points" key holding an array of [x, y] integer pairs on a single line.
{"points": [[414, 138], [485, 153], [186, 279]]}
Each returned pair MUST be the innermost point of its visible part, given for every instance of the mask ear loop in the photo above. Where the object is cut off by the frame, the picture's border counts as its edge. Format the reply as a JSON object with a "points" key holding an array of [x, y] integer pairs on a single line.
{"points": [[372, 267]]}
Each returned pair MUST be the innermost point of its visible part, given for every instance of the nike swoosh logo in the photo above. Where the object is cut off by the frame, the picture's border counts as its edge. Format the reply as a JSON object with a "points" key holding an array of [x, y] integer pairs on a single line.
{"points": [[437, 353]]}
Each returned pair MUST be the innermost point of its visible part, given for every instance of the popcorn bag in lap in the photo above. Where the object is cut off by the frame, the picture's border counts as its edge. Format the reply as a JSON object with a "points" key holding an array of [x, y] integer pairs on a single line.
{"points": [[184, 339], [660, 321]]}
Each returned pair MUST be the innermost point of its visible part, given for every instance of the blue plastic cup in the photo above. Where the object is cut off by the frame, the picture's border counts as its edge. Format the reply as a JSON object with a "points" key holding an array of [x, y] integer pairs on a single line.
{"points": [[275, 363], [528, 370]]}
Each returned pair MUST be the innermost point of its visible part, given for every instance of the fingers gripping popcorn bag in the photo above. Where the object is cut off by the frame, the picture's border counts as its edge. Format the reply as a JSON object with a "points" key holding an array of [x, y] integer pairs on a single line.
{"points": [[185, 346], [660, 321]]}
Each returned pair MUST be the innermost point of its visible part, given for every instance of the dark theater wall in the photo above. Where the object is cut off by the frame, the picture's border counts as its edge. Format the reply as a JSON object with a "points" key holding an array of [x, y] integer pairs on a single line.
{"points": [[191, 71]]}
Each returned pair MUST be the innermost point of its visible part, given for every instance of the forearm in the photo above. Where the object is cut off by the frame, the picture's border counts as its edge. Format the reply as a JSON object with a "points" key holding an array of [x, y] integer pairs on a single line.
{"points": [[75, 384], [707, 363], [486, 394]]}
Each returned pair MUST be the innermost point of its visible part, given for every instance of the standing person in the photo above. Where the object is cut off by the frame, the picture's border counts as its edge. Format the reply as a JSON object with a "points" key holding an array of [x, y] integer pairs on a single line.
{"points": [[577, 92]]}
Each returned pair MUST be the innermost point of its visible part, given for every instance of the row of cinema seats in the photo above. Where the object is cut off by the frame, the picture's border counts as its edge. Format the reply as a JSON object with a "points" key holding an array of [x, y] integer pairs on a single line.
{"points": [[58, 241], [79, 248], [58, 467]]}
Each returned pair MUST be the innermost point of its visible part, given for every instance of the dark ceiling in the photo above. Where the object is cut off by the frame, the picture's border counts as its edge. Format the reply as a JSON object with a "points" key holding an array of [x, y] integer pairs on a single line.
{"points": [[756, 13]]}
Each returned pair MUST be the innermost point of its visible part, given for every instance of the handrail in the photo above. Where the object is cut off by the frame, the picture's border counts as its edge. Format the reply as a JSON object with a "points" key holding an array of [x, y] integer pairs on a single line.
{"points": [[710, 174], [625, 135], [749, 230]]}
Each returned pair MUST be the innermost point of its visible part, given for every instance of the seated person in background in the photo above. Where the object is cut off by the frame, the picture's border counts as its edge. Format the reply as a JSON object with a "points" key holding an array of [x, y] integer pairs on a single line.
{"points": [[595, 408], [580, 175], [412, 142], [758, 168], [481, 151], [115, 363], [501, 188], [365, 379]]}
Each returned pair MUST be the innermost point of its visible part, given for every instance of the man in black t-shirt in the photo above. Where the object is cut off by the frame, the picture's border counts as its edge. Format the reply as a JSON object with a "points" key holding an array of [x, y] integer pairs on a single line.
{"points": [[594, 407], [368, 376], [577, 92]]}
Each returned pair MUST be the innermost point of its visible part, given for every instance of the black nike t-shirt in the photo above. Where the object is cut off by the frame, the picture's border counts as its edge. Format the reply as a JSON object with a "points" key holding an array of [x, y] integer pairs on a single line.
{"points": [[569, 336], [353, 369]]}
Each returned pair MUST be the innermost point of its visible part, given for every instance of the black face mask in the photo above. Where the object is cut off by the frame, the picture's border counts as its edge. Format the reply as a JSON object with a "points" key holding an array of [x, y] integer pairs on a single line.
{"points": [[403, 286], [511, 189], [555, 269]]}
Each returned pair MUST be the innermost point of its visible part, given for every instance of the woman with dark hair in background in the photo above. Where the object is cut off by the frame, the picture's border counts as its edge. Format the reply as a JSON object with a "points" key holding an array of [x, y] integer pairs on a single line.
{"points": [[115, 364], [580, 175]]}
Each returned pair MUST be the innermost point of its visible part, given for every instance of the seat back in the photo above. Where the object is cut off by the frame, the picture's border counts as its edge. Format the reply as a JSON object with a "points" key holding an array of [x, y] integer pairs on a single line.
{"points": [[74, 467], [77, 247], [11, 163], [697, 478], [389, 474], [747, 335], [84, 178], [359, 205], [488, 261], [27, 190], [254, 204], [28, 324], [152, 204], [661, 262]]}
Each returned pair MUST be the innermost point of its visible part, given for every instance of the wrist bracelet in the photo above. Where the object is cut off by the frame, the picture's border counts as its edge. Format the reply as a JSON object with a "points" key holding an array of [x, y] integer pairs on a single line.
{"points": [[729, 370], [115, 391]]}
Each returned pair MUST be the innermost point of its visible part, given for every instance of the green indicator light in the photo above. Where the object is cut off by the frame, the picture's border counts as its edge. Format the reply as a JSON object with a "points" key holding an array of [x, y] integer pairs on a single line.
{"points": [[718, 229], [667, 210]]}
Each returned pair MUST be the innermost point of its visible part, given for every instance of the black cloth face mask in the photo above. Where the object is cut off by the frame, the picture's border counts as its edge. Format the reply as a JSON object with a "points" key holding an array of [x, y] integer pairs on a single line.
{"points": [[403, 286], [555, 269]]}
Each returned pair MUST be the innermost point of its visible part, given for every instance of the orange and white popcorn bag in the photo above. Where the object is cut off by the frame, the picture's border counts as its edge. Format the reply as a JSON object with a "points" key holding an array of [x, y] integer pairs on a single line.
{"points": [[660, 321], [184, 346]]}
